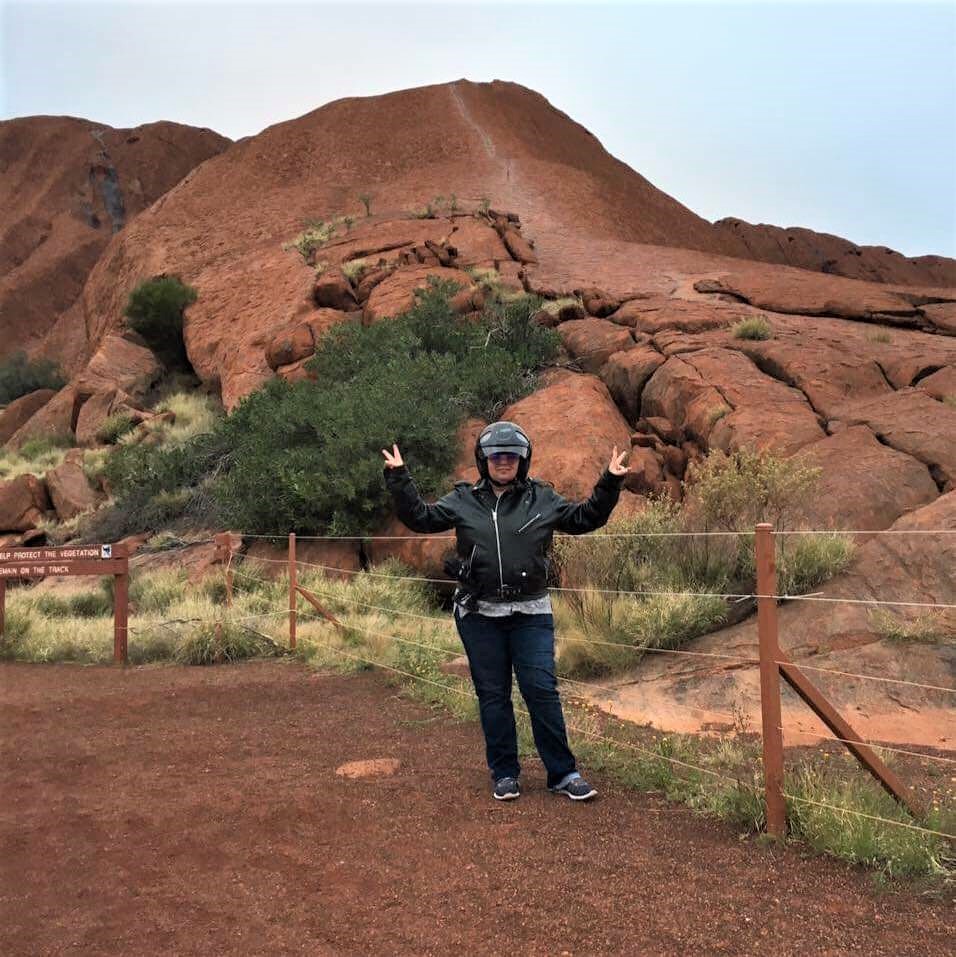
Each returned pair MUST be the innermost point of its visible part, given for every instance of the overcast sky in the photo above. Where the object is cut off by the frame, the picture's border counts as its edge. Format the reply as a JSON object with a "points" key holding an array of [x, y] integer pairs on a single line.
{"points": [[838, 117]]}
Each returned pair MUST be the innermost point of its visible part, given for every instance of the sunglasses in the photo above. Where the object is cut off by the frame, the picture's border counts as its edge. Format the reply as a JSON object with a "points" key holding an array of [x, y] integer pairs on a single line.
{"points": [[504, 458]]}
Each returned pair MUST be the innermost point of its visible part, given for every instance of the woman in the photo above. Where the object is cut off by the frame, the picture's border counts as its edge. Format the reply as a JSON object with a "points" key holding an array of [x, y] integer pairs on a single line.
{"points": [[504, 524]]}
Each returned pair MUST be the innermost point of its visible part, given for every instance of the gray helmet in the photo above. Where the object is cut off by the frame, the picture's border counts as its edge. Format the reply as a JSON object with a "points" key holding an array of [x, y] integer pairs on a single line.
{"points": [[503, 437]]}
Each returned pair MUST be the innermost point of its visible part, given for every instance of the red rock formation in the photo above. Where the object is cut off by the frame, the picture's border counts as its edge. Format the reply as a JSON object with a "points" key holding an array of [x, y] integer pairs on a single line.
{"points": [[69, 489], [23, 503], [66, 186], [822, 252]]}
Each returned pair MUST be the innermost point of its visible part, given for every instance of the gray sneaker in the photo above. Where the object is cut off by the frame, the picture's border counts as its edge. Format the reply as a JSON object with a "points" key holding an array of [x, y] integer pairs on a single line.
{"points": [[506, 789], [577, 789]]}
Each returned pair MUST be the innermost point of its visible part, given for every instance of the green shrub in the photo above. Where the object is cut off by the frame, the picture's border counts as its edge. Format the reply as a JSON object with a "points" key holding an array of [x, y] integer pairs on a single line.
{"points": [[16, 629], [115, 427], [354, 269], [155, 486], [315, 446], [210, 642], [739, 490], [899, 851], [641, 553], [42, 447], [92, 604], [366, 201], [412, 379], [155, 310], [20, 376], [754, 327], [931, 628]]}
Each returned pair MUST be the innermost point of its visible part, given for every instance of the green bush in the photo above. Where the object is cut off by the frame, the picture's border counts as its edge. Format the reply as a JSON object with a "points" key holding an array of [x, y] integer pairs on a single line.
{"points": [[931, 628], [92, 604], [20, 376], [754, 327], [35, 449], [208, 644], [315, 445], [736, 491], [155, 310], [725, 493], [410, 380], [115, 427]]}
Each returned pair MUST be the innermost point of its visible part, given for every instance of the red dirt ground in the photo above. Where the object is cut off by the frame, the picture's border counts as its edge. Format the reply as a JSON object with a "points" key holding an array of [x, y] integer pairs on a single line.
{"points": [[167, 810]]}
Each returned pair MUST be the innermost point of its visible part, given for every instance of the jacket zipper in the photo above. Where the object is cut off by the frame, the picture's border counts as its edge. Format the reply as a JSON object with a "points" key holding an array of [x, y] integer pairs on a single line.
{"points": [[526, 524], [501, 571]]}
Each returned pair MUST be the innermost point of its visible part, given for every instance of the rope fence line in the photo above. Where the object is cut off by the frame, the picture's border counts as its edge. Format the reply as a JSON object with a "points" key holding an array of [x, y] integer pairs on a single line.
{"points": [[880, 747], [587, 641], [714, 533], [852, 674], [899, 681], [457, 654], [739, 596], [165, 622], [472, 696], [871, 817], [655, 754], [282, 611]]}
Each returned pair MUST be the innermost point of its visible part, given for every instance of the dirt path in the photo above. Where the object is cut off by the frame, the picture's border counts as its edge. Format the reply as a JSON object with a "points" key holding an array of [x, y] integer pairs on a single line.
{"points": [[180, 811]]}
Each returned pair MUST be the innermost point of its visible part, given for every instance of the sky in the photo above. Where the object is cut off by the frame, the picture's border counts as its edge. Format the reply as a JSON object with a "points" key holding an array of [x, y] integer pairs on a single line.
{"points": [[840, 117]]}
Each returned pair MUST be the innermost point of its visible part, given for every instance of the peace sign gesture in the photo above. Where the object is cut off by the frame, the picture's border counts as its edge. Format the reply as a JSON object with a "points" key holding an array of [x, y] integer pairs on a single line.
{"points": [[393, 459], [617, 466]]}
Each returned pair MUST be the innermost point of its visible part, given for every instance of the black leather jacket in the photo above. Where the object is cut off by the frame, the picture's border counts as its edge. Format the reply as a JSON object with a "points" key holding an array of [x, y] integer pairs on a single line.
{"points": [[503, 542]]}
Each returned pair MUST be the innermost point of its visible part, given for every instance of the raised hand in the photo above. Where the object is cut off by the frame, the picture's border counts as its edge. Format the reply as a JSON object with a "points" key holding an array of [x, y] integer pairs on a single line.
{"points": [[617, 466], [393, 459]]}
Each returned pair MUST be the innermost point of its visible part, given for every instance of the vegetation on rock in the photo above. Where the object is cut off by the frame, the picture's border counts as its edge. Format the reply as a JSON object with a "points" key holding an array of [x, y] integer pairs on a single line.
{"points": [[754, 327], [20, 376], [725, 493], [315, 444], [155, 310]]}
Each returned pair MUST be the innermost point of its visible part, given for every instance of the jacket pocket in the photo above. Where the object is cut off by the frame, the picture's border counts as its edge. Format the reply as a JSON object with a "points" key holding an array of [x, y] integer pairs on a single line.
{"points": [[528, 524]]}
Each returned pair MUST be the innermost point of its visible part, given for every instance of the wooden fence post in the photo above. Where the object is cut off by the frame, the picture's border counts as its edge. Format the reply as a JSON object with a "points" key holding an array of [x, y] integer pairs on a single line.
{"points": [[770, 681], [120, 608], [292, 590], [224, 553]]}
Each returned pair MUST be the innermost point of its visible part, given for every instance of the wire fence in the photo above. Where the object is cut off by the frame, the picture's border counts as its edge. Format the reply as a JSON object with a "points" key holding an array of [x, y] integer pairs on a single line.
{"points": [[243, 571]]}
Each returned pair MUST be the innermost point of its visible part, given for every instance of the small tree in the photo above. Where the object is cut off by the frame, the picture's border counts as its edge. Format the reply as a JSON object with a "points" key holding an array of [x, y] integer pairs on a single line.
{"points": [[20, 375], [155, 310]]}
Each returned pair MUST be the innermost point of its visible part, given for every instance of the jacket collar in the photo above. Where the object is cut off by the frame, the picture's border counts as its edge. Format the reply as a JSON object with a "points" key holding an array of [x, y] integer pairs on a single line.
{"points": [[484, 483]]}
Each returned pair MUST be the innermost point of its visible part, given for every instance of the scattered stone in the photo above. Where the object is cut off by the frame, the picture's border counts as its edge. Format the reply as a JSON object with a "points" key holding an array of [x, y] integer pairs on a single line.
{"points": [[69, 488], [645, 472], [332, 290], [664, 428], [597, 302], [291, 346], [369, 768], [23, 503], [20, 410], [519, 247]]}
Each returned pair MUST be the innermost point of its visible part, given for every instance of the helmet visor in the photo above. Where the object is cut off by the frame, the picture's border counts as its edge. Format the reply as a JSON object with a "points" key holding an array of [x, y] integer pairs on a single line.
{"points": [[520, 451]]}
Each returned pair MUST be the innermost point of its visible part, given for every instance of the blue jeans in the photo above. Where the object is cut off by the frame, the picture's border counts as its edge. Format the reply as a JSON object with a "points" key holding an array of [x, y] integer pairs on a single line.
{"points": [[526, 643]]}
